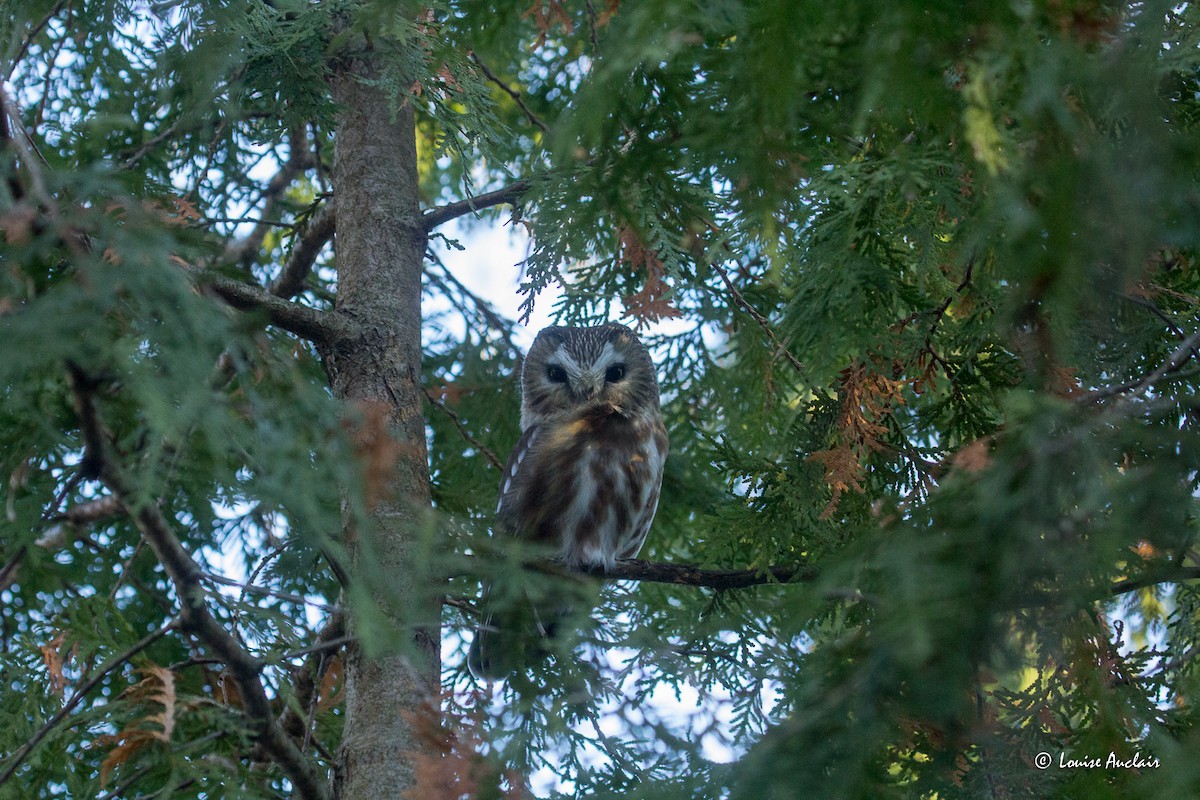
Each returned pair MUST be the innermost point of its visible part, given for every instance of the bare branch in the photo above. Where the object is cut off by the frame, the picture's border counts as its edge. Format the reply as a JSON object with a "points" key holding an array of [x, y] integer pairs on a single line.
{"points": [[462, 429], [763, 322], [319, 327], [149, 145], [299, 159], [483, 308], [308, 246], [194, 616], [511, 92], [1174, 363], [440, 214]]}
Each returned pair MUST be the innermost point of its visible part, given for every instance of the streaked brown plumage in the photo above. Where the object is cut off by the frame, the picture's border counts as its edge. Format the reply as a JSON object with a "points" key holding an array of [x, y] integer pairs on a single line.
{"points": [[584, 477]]}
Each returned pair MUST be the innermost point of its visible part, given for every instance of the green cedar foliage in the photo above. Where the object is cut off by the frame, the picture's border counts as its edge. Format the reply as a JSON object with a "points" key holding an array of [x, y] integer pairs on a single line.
{"points": [[930, 272]]}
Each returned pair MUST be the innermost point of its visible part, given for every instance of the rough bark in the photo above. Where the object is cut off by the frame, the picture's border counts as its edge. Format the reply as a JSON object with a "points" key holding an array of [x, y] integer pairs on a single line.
{"points": [[379, 250]]}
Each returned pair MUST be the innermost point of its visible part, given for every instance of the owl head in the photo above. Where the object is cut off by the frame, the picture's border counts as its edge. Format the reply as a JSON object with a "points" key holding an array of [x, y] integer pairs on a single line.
{"points": [[570, 368]]}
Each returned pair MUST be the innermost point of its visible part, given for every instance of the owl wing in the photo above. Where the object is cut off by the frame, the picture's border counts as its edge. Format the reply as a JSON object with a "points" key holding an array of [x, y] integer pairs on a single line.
{"points": [[514, 483], [500, 645]]}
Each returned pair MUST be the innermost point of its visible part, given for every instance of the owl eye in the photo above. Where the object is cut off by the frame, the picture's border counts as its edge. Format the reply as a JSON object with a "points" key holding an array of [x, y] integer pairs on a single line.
{"points": [[614, 373], [556, 374]]}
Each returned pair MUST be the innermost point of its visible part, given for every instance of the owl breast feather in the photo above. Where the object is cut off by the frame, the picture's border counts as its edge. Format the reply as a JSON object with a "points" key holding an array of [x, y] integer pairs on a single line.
{"points": [[586, 485]]}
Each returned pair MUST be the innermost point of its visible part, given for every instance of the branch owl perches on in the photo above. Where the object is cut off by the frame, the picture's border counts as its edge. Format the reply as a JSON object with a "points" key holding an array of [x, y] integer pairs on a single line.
{"points": [[583, 479]]}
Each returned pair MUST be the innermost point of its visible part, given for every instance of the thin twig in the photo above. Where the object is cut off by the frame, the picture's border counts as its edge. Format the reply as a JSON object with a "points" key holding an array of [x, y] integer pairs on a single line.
{"points": [[462, 429], [591, 15], [1153, 309], [177, 749], [27, 42], [491, 317], [324, 646], [307, 678], [27, 153], [249, 588], [1174, 362], [511, 92], [299, 159], [150, 144], [109, 666], [762, 321]]}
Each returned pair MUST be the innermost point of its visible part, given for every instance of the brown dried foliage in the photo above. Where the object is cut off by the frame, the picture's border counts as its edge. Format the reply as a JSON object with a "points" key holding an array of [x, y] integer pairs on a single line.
{"points": [[157, 689], [52, 657], [545, 14], [332, 686], [650, 304], [974, 457], [867, 398], [450, 764]]}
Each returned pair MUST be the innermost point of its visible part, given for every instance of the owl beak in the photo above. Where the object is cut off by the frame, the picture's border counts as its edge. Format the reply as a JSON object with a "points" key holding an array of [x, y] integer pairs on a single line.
{"points": [[589, 386]]}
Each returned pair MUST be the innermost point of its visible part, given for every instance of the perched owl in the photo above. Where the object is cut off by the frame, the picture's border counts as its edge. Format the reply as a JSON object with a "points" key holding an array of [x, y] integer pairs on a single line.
{"points": [[585, 475]]}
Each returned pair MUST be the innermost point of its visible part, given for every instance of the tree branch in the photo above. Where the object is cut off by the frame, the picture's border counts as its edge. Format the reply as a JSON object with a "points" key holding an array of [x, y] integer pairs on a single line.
{"points": [[440, 214], [692, 575], [511, 92], [319, 327], [763, 322], [262, 591], [1170, 576], [194, 616], [309, 243], [488, 453], [1173, 363], [29, 38], [299, 159], [635, 569]]}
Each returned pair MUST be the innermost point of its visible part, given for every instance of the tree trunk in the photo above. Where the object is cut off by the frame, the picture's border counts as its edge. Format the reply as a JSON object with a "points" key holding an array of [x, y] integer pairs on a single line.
{"points": [[380, 247]]}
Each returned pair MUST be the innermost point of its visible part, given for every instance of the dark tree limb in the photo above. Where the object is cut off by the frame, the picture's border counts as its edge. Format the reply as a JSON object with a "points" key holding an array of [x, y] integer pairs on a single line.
{"points": [[1178, 358], [692, 575], [311, 240], [194, 615], [441, 214], [319, 327], [1174, 575]]}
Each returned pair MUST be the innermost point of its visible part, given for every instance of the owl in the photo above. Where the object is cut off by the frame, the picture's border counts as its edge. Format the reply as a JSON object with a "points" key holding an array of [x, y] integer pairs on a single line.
{"points": [[584, 477]]}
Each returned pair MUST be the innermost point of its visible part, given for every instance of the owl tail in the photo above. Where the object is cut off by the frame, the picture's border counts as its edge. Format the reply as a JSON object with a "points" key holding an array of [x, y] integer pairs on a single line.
{"points": [[511, 639]]}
